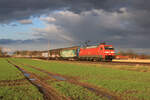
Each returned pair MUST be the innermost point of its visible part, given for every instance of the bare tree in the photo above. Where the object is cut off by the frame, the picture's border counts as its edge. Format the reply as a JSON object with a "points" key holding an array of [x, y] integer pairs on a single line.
{"points": [[1, 51]]}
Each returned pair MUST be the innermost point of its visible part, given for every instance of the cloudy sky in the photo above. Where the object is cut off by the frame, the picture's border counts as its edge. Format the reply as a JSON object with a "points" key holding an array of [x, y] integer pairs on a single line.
{"points": [[29, 24]]}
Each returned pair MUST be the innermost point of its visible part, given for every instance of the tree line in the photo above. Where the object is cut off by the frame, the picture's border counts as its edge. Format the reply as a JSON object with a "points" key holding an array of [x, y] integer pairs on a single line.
{"points": [[3, 53], [27, 53], [133, 55]]}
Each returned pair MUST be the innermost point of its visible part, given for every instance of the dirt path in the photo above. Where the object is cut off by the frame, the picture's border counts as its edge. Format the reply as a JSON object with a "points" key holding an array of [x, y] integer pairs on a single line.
{"points": [[98, 91], [48, 92]]}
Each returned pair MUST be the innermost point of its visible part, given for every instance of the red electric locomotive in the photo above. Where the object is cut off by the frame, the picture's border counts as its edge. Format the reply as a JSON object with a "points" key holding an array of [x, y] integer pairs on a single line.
{"points": [[100, 52]]}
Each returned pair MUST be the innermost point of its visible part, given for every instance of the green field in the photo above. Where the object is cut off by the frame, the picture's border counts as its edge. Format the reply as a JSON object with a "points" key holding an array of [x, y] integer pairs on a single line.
{"points": [[8, 72], [75, 92], [120, 81], [71, 91], [25, 92], [10, 78], [129, 85]]}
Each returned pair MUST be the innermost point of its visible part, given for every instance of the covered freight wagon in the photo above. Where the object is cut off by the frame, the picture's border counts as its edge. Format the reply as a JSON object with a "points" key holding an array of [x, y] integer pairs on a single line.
{"points": [[68, 53], [63, 53], [55, 53]]}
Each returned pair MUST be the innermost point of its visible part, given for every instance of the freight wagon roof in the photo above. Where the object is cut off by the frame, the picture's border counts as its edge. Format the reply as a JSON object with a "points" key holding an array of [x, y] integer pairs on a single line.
{"points": [[108, 45], [92, 46], [67, 48]]}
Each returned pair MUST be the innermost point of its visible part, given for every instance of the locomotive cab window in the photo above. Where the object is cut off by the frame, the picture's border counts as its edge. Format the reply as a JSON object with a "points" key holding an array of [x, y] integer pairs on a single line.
{"points": [[109, 48]]}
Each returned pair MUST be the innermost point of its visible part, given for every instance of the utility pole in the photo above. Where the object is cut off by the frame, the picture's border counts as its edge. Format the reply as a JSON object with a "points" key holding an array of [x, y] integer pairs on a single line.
{"points": [[48, 48]]}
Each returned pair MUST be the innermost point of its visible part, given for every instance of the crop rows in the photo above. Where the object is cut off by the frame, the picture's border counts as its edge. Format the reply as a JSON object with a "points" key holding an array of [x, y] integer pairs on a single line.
{"points": [[8, 72], [72, 81], [128, 85], [67, 89], [14, 86]]}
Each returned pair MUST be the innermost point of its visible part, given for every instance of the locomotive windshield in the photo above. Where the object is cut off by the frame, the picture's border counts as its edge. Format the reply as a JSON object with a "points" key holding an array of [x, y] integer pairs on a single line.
{"points": [[109, 48]]}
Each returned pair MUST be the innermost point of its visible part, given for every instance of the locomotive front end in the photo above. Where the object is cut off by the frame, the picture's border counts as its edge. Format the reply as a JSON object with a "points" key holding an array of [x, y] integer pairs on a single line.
{"points": [[109, 53]]}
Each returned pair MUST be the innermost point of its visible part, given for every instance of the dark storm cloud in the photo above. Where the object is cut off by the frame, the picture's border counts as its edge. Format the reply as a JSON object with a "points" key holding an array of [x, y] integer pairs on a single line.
{"points": [[11, 10], [7, 41], [125, 23], [21, 9], [123, 29], [28, 41], [31, 44]]}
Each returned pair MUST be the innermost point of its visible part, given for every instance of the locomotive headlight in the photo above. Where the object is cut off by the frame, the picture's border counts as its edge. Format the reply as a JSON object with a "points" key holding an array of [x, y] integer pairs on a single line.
{"points": [[112, 52], [106, 52]]}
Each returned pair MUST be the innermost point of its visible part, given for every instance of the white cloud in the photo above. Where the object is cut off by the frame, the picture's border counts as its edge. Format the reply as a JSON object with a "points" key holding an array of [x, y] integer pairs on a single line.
{"points": [[52, 31], [25, 21], [123, 9], [48, 19]]}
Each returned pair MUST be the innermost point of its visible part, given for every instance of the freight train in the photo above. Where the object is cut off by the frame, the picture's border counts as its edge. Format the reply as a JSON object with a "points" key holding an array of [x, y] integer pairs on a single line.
{"points": [[101, 52]]}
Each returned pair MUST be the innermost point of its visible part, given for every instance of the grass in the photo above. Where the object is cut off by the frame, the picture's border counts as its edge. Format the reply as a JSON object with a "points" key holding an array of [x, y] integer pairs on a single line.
{"points": [[9, 72], [26, 92], [129, 85], [72, 91], [75, 92], [42, 75], [137, 68], [23, 92]]}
